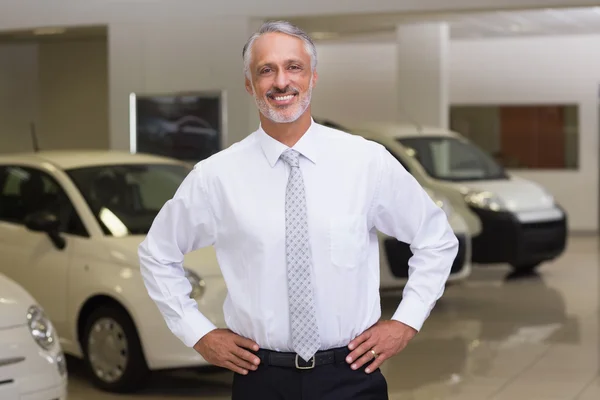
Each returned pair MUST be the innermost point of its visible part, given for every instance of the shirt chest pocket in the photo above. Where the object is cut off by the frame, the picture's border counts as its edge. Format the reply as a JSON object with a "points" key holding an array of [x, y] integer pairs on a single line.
{"points": [[348, 240]]}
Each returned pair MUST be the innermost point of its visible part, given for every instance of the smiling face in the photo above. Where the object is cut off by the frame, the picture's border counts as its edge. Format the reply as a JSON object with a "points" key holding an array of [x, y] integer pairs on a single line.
{"points": [[281, 78]]}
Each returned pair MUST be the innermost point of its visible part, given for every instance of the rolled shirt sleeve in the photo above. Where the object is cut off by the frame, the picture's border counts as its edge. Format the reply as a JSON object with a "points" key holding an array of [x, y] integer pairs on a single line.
{"points": [[403, 209], [185, 223]]}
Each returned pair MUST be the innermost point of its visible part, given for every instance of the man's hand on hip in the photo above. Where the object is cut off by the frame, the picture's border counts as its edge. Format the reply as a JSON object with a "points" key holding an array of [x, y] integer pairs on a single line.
{"points": [[378, 343], [223, 348]]}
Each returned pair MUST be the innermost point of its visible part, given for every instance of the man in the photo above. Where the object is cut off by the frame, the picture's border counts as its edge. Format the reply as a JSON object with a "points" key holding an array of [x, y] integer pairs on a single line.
{"points": [[292, 211]]}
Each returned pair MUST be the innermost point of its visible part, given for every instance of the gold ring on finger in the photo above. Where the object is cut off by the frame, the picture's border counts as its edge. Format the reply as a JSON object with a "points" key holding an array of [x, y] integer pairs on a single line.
{"points": [[374, 354]]}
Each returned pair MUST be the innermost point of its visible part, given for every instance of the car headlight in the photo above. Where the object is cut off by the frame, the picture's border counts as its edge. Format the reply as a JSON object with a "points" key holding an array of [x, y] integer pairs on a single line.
{"points": [[198, 284], [41, 328], [485, 200]]}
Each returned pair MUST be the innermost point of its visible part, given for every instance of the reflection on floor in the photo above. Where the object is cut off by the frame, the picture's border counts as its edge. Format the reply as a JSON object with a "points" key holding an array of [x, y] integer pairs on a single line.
{"points": [[495, 337]]}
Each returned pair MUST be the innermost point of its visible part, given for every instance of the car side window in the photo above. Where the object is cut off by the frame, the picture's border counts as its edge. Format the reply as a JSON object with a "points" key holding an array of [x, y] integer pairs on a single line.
{"points": [[12, 206], [25, 190]]}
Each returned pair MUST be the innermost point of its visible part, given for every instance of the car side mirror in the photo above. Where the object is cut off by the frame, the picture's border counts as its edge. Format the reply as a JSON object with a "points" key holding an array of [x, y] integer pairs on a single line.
{"points": [[42, 221], [45, 221]]}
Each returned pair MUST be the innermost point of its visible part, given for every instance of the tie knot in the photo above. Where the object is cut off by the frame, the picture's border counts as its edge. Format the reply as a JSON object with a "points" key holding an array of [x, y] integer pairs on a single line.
{"points": [[291, 157]]}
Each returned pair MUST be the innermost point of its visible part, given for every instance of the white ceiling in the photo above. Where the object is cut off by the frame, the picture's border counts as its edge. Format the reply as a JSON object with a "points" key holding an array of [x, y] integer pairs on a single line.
{"points": [[462, 25], [530, 22], [381, 27]]}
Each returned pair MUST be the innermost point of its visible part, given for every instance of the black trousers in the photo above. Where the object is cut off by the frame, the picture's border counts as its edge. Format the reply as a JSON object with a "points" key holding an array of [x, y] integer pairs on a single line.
{"points": [[335, 381]]}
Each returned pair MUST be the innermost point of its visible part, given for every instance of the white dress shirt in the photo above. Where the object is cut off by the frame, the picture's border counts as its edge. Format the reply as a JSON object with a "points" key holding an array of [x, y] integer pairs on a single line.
{"points": [[234, 201]]}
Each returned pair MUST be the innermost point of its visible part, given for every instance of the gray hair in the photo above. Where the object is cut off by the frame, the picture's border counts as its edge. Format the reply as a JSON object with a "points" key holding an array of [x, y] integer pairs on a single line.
{"points": [[279, 27]]}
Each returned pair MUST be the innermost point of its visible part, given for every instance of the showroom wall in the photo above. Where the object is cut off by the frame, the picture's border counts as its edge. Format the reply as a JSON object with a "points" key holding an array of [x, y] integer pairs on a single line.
{"points": [[561, 70], [62, 87], [201, 40], [18, 95], [549, 70], [175, 54], [357, 82], [73, 94]]}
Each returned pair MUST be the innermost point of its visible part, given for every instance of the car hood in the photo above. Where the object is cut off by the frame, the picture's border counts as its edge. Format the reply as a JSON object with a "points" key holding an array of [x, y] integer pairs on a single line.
{"points": [[124, 250], [14, 303], [516, 193]]}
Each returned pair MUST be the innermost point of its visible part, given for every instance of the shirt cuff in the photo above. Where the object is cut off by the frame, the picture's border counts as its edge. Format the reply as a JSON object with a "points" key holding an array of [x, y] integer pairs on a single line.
{"points": [[412, 312], [194, 327]]}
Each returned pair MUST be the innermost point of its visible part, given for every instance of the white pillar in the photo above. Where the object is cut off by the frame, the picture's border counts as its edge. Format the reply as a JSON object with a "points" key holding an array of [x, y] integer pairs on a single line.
{"points": [[423, 73]]}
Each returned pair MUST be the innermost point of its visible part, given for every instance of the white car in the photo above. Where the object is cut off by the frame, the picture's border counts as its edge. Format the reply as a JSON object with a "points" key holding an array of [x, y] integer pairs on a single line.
{"points": [[511, 220], [70, 226], [32, 364]]}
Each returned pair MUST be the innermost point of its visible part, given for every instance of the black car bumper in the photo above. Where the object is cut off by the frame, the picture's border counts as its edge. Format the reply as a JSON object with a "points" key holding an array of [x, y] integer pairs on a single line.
{"points": [[398, 253], [505, 239]]}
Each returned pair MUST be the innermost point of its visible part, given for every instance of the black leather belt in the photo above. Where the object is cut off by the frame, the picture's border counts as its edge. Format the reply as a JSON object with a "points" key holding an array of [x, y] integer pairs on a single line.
{"points": [[293, 360]]}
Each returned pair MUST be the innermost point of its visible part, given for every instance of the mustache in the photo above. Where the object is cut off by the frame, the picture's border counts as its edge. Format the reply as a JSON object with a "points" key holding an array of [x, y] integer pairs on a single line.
{"points": [[286, 91]]}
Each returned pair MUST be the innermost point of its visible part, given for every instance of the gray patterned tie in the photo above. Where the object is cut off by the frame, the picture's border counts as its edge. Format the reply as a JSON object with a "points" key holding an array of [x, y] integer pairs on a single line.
{"points": [[305, 332]]}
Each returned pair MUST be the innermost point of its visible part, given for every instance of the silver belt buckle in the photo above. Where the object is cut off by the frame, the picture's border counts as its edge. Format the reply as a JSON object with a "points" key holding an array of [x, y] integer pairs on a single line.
{"points": [[311, 366]]}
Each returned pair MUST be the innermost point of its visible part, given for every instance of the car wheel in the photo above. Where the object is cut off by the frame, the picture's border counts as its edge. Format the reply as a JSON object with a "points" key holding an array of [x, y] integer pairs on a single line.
{"points": [[113, 352]]}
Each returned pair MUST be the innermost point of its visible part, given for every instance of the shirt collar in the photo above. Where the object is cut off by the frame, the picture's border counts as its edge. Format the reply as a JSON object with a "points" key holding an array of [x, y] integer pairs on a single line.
{"points": [[273, 148]]}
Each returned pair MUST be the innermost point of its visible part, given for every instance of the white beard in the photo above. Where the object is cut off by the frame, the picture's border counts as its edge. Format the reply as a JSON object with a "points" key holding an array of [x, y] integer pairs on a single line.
{"points": [[283, 116]]}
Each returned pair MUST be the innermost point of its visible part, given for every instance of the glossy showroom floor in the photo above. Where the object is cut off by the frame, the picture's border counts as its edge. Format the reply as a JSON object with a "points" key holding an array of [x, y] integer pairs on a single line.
{"points": [[495, 337]]}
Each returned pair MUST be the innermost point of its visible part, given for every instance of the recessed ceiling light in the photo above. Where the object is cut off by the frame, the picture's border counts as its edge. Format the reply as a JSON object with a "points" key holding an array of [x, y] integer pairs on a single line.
{"points": [[49, 31]]}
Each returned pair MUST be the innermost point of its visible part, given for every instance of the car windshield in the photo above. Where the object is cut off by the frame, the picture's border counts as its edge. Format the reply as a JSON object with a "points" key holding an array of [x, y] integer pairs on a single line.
{"points": [[125, 199], [452, 159]]}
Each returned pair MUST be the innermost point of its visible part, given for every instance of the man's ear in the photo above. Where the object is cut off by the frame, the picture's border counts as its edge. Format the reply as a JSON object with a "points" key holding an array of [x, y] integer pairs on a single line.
{"points": [[315, 79], [248, 85]]}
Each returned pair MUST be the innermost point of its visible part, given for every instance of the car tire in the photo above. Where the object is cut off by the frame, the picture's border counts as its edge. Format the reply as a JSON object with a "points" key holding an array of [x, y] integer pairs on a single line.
{"points": [[111, 339]]}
